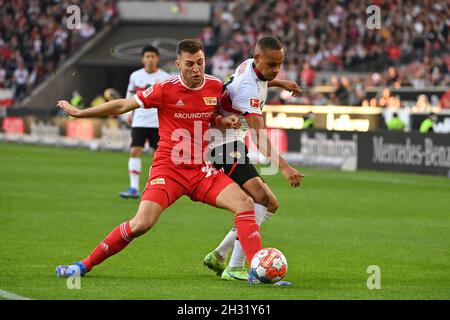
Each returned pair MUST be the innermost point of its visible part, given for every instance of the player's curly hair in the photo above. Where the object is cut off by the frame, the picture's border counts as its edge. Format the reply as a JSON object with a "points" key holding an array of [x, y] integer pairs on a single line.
{"points": [[189, 45]]}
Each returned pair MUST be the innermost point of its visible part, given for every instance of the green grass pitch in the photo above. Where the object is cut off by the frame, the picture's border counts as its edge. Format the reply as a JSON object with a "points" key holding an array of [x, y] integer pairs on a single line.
{"points": [[56, 205]]}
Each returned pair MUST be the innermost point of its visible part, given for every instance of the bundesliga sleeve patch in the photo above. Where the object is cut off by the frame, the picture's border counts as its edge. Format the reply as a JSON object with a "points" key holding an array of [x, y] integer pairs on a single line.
{"points": [[254, 103]]}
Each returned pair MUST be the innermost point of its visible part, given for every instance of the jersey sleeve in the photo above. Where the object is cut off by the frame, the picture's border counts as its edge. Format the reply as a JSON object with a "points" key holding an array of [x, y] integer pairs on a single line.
{"points": [[247, 100], [150, 97], [131, 87]]}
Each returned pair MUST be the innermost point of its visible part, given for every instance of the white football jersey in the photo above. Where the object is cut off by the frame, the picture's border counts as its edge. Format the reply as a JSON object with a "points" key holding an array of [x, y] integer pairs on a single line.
{"points": [[244, 96], [139, 81]]}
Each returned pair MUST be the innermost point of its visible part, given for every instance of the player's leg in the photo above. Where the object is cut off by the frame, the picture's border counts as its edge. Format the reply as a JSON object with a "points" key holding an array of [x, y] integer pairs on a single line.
{"points": [[232, 159], [220, 191], [153, 138], [262, 195], [145, 218], [216, 259], [265, 205], [138, 138], [160, 192]]}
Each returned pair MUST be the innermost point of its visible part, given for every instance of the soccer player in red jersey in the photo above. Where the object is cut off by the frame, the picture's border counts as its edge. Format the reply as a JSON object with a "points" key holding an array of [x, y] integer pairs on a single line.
{"points": [[185, 105]]}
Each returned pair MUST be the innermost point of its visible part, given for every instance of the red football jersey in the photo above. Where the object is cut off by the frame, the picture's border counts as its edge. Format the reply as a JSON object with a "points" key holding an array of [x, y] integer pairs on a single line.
{"points": [[184, 115]]}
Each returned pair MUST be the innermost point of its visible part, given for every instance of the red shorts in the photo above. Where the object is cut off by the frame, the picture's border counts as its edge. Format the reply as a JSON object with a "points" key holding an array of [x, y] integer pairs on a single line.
{"points": [[167, 183]]}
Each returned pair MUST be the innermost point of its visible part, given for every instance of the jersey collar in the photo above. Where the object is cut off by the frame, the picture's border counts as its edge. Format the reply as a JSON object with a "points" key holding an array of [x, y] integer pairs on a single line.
{"points": [[187, 87], [157, 70], [258, 74]]}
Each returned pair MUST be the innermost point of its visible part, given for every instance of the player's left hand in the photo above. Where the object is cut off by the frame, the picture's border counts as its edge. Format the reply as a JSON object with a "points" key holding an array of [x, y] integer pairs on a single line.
{"points": [[292, 175], [231, 122], [291, 86]]}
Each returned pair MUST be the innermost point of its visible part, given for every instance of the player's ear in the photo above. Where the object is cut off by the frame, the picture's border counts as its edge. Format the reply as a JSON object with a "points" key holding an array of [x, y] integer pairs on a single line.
{"points": [[177, 63], [257, 56]]}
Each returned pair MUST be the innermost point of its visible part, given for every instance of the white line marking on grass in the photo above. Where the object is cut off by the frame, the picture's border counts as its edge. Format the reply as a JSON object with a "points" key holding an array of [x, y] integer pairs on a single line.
{"points": [[11, 296]]}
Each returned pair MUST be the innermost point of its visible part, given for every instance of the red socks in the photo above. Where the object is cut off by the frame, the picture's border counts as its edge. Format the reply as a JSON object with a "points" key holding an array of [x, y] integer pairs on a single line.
{"points": [[248, 233], [113, 243], [121, 236]]}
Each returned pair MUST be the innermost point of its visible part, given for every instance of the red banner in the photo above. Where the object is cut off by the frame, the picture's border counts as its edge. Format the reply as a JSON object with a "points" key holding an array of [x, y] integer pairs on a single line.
{"points": [[13, 125], [82, 129]]}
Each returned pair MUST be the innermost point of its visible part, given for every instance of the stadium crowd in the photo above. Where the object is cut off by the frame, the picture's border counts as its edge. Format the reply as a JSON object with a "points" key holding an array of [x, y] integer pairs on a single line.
{"points": [[34, 37], [412, 47]]}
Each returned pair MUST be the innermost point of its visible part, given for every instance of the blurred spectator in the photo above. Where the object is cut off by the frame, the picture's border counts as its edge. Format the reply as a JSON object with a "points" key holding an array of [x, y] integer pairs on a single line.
{"points": [[395, 123], [308, 122], [445, 100], [20, 79], [422, 104], [111, 94], [427, 124], [387, 100], [307, 76], [2, 75], [98, 100], [77, 100], [221, 64], [392, 77]]}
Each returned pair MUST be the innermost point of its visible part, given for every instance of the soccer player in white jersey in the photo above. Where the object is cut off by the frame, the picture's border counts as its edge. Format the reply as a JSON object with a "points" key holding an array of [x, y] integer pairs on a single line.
{"points": [[144, 122], [245, 95]]}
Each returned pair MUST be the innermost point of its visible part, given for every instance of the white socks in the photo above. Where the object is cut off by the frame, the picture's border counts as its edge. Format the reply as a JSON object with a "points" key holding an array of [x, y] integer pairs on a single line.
{"points": [[225, 246], [261, 214], [134, 169], [237, 259]]}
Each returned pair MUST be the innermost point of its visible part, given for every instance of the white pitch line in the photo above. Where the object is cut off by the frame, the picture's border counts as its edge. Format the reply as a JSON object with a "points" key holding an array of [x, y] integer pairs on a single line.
{"points": [[11, 296]]}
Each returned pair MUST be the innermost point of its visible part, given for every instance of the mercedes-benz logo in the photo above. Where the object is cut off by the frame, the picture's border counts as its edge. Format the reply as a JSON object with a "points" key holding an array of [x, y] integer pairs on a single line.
{"points": [[132, 50]]}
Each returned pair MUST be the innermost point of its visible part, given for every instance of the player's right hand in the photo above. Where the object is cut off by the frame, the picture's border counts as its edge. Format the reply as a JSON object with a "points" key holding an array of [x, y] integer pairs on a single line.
{"points": [[68, 108], [130, 119], [292, 175], [232, 122]]}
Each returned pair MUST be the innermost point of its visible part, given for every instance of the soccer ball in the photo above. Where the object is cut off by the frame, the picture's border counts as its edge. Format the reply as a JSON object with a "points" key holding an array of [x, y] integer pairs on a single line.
{"points": [[269, 265]]}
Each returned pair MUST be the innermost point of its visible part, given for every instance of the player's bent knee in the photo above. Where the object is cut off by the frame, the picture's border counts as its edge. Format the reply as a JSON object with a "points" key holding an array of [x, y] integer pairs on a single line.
{"points": [[146, 217], [141, 226], [244, 203], [263, 198]]}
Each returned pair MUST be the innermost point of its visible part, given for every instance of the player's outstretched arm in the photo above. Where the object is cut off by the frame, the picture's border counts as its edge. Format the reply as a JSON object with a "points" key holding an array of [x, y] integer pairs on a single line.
{"points": [[264, 145], [110, 108], [288, 85]]}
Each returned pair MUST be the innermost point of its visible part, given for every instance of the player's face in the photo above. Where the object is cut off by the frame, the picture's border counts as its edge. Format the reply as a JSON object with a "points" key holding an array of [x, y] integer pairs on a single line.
{"points": [[150, 61], [269, 63], [192, 68]]}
